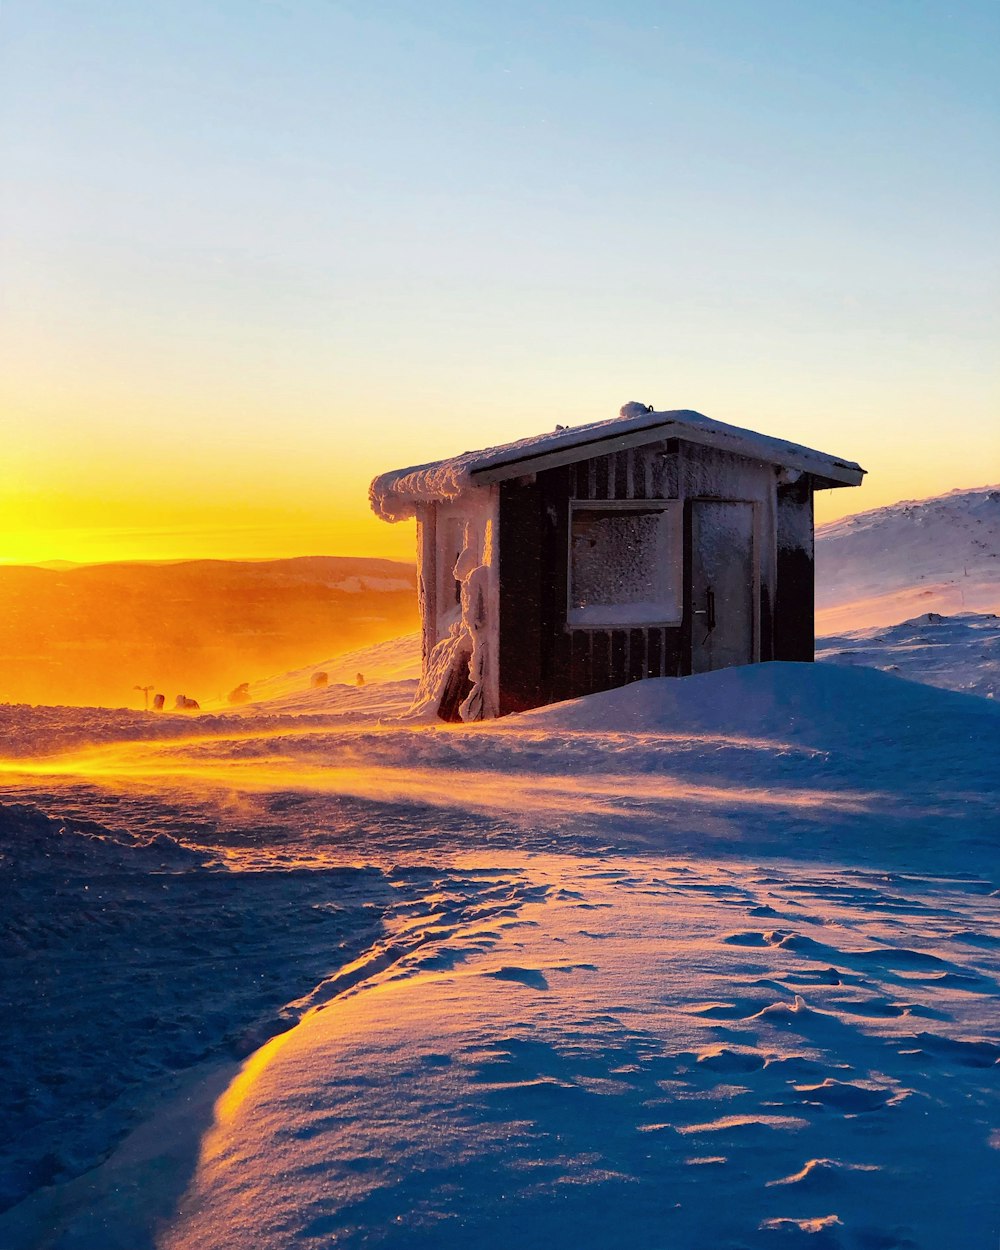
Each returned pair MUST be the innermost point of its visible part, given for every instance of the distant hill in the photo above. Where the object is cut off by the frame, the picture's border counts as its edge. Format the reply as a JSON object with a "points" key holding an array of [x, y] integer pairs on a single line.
{"points": [[930, 555], [90, 633]]}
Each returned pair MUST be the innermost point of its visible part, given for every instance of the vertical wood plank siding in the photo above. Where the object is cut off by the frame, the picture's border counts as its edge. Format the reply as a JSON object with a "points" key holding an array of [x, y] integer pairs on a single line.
{"points": [[519, 550], [794, 632], [637, 473], [541, 660]]}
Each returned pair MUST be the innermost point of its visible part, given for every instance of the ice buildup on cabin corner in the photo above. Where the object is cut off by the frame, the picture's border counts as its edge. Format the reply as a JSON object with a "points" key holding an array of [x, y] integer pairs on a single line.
{"points": [[654, 544]]}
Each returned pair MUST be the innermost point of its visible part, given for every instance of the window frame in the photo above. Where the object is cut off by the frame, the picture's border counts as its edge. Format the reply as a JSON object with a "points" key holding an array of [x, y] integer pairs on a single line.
{"points": [[673, 509]]}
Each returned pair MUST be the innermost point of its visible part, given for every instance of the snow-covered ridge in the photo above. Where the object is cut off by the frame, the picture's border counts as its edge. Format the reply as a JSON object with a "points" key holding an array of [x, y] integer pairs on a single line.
{"points": [[955, 502], [893, 563]]}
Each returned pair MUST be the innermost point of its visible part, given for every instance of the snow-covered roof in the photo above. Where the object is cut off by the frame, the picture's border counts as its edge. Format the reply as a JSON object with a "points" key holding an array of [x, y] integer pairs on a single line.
{"points": [[394, 495]]}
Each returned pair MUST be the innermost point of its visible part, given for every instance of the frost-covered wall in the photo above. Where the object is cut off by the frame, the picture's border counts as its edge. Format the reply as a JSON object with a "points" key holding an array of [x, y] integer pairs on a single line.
{"points": [[794, 607], [548, 650], [459, 606], [706, 473], [681, 471]]}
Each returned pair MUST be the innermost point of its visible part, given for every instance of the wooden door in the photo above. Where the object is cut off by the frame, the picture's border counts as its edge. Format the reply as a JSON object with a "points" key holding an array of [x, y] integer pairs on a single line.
{"points": [[723, 584]]}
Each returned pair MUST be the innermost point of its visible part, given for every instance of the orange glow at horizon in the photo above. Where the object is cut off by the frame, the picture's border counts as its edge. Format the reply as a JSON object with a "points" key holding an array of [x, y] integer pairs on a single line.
{"points": [[184, 519], [97, 519], [267, 540], [163, 472]]}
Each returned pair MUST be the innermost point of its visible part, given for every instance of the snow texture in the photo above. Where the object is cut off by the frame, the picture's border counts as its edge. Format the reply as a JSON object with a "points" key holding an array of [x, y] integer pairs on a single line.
{"points": [[954, 652], [932, 555], [394, 495], [708, 962], [562, 978]]}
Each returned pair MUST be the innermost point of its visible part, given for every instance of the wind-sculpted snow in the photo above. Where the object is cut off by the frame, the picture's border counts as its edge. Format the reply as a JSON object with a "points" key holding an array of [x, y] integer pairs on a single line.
{"points": [[599, 1064], [954, 652], [704, 963], [126, 959], [804, 758]]}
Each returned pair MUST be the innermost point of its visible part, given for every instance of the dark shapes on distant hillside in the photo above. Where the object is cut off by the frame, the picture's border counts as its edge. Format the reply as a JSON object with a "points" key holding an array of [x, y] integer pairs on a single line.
{"points": [[89, 634]]}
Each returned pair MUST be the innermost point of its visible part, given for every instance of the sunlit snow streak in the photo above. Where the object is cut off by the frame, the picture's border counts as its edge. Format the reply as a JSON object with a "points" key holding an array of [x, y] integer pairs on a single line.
{"points": [[239, 1089], [146, 767]]}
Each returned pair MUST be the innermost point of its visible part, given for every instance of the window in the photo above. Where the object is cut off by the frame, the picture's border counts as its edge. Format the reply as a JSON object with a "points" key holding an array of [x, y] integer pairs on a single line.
{"points": [[625, 563]]}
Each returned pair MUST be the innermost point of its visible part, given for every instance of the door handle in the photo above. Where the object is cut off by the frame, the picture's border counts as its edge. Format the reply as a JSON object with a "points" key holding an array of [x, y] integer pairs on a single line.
{"points": [[708, 610]]}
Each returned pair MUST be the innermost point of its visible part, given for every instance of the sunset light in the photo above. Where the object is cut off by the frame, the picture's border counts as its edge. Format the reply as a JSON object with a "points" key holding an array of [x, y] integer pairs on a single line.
{"points": [[499, 625], [241, 276]]}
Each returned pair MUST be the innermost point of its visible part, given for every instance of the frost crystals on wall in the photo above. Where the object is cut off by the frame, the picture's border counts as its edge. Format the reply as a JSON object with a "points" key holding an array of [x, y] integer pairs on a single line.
{"points": [[625, 563]]}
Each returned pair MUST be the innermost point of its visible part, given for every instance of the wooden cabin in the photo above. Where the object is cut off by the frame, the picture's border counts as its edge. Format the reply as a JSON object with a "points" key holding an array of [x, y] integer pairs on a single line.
{"points": [[656, 544]]}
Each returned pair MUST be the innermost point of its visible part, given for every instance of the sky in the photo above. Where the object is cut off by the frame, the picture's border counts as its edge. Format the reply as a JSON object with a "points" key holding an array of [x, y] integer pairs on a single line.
{"points": [[256, 252]]}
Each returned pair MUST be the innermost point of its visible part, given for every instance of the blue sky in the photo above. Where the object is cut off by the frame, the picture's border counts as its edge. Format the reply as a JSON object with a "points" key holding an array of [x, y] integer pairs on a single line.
{"points": [[277, 247]]}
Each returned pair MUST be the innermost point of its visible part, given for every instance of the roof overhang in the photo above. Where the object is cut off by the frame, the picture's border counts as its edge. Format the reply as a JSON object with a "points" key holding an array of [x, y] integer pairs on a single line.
{"points": [[397, 495], [827, 471]]}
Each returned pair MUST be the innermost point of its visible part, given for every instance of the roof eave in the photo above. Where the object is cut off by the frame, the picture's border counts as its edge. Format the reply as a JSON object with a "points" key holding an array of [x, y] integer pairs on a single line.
{"points": [[845, 476], [826, 469], [601, 445]]}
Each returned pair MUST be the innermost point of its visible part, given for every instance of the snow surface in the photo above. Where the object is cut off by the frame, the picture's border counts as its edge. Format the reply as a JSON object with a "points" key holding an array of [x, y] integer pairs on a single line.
{"points": [[391, 671], [954, 652], [700, 963], [709, 963], [394, 494]]}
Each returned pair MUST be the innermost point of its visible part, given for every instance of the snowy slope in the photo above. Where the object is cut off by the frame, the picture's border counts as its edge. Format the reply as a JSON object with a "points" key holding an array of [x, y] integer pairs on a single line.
{"points": [[731, 935], [954, 652], [709, 963], [930, 555], [629, 1054], [90, 634], [391, 672]]}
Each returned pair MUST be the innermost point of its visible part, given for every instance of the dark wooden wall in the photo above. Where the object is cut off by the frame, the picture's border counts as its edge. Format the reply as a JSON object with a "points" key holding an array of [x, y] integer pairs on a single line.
{"points": [[794, 608], [541, 660], [519, 549]]}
